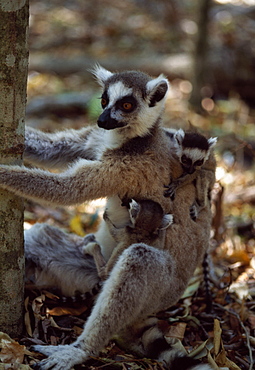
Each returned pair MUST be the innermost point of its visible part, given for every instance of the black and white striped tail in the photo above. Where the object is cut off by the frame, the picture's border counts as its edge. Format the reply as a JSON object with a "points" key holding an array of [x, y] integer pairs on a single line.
{"points": [[81, 297]]}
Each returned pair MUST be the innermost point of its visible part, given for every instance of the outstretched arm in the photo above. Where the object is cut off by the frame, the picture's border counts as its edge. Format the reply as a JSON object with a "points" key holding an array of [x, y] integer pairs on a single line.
{"points": [[85, 180], [57, 150]]}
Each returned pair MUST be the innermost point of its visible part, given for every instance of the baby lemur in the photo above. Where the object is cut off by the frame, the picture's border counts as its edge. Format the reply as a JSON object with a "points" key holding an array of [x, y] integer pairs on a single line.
{"points": [[128, 155], [196, 156], [147, 224]]}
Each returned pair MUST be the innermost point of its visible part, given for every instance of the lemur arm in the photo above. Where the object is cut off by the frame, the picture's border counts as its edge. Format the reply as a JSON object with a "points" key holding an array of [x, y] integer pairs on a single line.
{"points": [[94, 249], [57, 150], [175, 184], [85, 180]]}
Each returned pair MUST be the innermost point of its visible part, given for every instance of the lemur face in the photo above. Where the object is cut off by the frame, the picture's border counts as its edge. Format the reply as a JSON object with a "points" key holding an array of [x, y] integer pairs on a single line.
{"points": [[130, 100], [192, 149]]}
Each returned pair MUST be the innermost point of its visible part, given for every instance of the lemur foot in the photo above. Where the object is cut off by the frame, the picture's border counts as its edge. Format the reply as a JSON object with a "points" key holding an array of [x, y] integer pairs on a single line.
{"points": [[62, 357], [170, 192], [89, 238]]}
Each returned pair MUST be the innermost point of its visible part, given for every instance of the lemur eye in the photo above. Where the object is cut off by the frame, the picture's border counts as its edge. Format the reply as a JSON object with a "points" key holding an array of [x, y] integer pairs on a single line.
{"points": [[199, 162], [127, 106], [184, 159], [103, 102]]}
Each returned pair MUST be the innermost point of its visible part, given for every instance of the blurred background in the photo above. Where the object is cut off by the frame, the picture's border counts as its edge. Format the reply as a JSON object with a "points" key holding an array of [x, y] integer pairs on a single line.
{"points": [[207, 50]]}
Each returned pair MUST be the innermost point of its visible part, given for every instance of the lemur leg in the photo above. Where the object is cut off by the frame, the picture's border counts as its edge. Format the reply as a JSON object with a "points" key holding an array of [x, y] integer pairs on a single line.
{"points": [[202, 187], [127, 296], [94, 249]]}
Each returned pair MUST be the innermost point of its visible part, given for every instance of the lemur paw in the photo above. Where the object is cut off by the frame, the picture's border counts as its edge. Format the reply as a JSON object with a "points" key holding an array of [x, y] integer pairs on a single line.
{"points": [[89, 238], [62, 357], [170, 192]]}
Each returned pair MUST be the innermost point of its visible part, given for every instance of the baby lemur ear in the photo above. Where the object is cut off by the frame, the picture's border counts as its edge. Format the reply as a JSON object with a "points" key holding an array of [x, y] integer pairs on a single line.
{"points": [[167, 220], [133, 211], [157, 89], [179, 136], [101, 74], [212, 142]]}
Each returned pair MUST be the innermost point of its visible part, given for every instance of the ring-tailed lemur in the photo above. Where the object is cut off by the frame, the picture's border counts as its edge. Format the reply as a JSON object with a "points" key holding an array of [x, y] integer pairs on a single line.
{"points": [[196, 156], [134, 160], [147, 224]]}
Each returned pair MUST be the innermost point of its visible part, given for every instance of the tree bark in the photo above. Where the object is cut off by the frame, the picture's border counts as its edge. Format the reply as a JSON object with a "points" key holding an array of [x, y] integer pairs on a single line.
{"points": [[201, 66], [13, 68]]}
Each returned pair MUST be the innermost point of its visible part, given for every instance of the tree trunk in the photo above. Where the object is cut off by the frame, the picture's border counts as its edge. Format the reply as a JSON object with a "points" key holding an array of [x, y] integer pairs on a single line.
{"points": [[13, 69], [201, 67]]}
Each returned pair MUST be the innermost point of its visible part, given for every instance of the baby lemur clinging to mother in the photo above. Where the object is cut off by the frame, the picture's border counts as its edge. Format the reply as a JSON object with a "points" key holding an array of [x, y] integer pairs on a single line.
{"points": [[147, 224], [196, 156], [128, 155]]}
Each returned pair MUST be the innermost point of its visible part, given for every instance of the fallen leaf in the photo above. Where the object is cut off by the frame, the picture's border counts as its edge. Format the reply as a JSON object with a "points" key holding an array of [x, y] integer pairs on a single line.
{"points": [[12, 352], [60, 311], [177, 330], [217, 336]]}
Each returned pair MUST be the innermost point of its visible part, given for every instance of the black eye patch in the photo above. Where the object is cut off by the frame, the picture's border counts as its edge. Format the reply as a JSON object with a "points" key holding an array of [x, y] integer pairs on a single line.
{"points": [[104, 100], [186, 161], [127, 104], [198, 163]]}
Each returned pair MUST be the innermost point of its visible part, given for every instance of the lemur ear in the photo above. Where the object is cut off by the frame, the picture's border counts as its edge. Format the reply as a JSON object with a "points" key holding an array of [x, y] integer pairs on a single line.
{"points": [[157, 89], [101, 74], [212, 142], [179, 136], [133, 211], [167, 220]]}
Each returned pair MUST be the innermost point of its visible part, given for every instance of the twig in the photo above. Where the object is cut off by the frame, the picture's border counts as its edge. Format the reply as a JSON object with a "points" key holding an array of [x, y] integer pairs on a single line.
{"points": [[244, 329]]}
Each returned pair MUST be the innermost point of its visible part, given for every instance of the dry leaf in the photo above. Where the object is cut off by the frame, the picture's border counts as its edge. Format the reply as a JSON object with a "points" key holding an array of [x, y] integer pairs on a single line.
{"points": [[217, 337], [176, 344], [14, 367], [60, 311], [211, 362], [27, 318], [37, 305], [12, 352], [176, 330], [202, 350], [222, 360]]}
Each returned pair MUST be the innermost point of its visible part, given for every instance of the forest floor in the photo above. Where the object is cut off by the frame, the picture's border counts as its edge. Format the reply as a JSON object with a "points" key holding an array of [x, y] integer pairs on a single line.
{"points": [[225, 335]]}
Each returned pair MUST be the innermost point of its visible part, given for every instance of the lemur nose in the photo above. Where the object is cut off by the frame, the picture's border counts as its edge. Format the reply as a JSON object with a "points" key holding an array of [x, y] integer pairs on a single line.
{"points": [[104, 118], [107, 122]]}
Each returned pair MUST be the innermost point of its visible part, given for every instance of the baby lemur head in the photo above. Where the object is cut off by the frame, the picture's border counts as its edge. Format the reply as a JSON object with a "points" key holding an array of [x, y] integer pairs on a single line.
{"points": [[192, 149], [132, 101], [148, 217]]}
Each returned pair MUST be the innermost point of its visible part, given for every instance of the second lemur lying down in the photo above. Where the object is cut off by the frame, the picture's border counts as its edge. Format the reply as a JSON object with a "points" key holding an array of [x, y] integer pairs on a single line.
{"points": [[147, 224], [56, 260]]}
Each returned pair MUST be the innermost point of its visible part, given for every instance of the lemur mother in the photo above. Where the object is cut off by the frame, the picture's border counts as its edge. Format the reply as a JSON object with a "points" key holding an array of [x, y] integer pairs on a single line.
{"points": [[129, 155]]}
